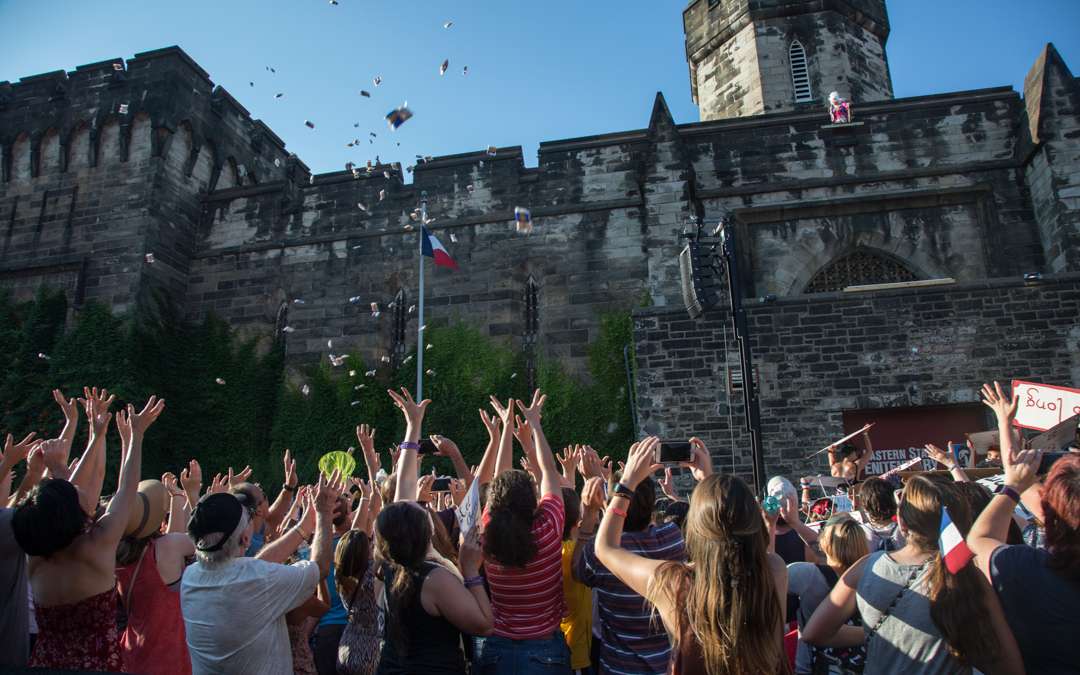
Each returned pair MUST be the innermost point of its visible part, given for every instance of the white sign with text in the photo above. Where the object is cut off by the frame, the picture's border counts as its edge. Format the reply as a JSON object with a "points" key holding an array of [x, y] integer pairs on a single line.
{"points": [[1043, 406]]}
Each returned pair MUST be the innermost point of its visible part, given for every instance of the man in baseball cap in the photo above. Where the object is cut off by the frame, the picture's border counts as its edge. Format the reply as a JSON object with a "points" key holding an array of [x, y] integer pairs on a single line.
{"points": [[234, 607]]}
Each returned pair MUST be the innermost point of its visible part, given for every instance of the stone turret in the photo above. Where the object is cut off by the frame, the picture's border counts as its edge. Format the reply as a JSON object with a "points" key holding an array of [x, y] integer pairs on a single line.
{"points": [[749, 57]]}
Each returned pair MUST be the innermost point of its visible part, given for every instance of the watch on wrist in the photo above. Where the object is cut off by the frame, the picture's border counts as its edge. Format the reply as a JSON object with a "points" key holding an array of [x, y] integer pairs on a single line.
{"points": [[623, 491]]}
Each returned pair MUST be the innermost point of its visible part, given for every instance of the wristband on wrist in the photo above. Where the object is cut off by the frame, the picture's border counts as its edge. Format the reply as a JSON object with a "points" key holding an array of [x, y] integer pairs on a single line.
{"points": [[409, 445], [303, 534], [617, 511], [1009, 492], [290, 488], [474, 581]]}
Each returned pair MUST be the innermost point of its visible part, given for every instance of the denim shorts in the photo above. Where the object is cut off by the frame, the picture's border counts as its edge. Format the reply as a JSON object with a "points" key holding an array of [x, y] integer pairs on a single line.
{"points": [[543, 656]]}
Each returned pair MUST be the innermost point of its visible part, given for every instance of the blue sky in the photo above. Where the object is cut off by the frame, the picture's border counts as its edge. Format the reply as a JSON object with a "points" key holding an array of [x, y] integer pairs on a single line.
{"points": [[538, 71]]}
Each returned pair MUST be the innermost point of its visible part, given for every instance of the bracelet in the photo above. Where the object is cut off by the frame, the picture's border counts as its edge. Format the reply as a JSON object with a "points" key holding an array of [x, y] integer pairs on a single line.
{"points": [[290, 488], [409, 445], [473, 581], [617, 511], [303, 534], [617, 495], [1009, 492]]}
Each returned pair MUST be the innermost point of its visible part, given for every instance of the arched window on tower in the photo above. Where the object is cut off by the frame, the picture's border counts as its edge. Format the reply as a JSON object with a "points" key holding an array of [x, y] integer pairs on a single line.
{"points": [[858, 268], [800, 72]]}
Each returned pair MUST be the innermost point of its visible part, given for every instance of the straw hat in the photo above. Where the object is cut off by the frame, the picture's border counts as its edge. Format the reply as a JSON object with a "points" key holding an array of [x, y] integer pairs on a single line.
{"points": [[148, 511]]}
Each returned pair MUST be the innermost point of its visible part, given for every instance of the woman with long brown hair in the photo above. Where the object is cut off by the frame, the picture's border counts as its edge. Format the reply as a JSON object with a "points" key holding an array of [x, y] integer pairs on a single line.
{"points": [[724, 610], [917, 616]]}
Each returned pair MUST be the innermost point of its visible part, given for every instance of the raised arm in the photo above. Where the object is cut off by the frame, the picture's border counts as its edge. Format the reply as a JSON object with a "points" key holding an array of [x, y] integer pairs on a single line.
{"points": [[550, 480], [132, 427], [948, 461], [365, 436], [13, 454], [466, 606], [89, 475], [191, 481], [70, 408], [865, 457], [282, 548], [991, 528], [632, 569], [179, 514], [447, 448], [408, 465], [35, 471], [486, 469], [504, 461], [326, 496], [568, 460], [286, 496]]}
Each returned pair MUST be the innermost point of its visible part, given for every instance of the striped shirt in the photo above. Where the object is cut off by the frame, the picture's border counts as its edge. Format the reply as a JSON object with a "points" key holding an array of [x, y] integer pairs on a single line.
{"points": [[631, 641], [528, 602]]}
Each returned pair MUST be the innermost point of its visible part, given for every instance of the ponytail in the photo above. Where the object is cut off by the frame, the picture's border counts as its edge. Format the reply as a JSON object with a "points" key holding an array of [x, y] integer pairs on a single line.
{"points": [[958, 602], [959, 610]]}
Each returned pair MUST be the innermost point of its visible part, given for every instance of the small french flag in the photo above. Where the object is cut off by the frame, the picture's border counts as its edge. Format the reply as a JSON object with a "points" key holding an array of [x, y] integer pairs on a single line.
{"points": [[434, 249], [953, 548]]}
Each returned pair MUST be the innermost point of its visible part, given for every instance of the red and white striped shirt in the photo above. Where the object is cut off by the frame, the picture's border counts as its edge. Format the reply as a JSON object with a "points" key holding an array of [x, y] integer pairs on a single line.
{"points": [[528, 602]]}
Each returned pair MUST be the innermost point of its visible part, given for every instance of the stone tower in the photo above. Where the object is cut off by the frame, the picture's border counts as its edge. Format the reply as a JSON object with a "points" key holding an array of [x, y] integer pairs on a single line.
{"points": [[749, 57]]}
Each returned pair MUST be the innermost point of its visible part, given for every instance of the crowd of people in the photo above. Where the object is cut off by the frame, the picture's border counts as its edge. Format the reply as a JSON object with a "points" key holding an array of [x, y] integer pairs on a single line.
{"points": [[572, 563]]}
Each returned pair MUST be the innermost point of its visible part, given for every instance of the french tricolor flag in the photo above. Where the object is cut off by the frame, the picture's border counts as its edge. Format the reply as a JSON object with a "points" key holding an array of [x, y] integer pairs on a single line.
{"points": [[434, 249], [952, 545]]}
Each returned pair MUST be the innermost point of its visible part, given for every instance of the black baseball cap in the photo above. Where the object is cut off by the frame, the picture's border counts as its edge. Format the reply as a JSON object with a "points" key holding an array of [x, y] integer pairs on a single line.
{"points": [[219, 512]]}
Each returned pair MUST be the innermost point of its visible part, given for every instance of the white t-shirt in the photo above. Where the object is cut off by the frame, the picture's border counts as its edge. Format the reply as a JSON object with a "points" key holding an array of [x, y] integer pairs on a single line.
{"points": [[235, 615]]}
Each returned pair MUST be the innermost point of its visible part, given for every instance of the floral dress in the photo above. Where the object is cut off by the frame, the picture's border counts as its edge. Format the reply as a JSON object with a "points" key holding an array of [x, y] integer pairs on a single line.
{"points": [[79, 636]]}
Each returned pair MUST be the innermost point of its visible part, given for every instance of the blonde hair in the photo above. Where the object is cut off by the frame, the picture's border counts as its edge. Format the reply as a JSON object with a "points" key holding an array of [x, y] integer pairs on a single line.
{"points": [[728, 597], [843, 541]]}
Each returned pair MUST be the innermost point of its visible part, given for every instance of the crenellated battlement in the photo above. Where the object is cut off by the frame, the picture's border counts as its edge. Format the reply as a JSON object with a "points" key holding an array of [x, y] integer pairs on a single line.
{"points": [[166, 88]]}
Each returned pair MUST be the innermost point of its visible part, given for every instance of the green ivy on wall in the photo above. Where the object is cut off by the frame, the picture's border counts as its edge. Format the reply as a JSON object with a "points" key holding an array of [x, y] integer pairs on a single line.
{"points": [[232, 402]]}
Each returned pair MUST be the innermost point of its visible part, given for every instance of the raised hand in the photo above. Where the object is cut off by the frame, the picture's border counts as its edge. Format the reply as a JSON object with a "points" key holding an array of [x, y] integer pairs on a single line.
{"points": [[219, 484], [327, 492], [365, 436], [458, 491], [413, 411], [68, 406], [55, 454], [17, 452], [591, 467], [141, 421], [1021, 469], [289, 466], [423, 487], [524, 434], [789, 509], [533, 411], [96, 406], [606, 468], [191, 479], [667, 485], [592, 495], [168, 479], [940, 456], [235, 479], [491, 423], [996, 400], [307, 515], [395, 453], [700, 463], [35, 462], [504, 412], [444, 447], [640, 463], [470, 553]]}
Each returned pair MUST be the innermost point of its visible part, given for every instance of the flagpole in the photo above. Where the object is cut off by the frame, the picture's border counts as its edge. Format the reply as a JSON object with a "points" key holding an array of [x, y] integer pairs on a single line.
{"points": [[420, 313]]}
